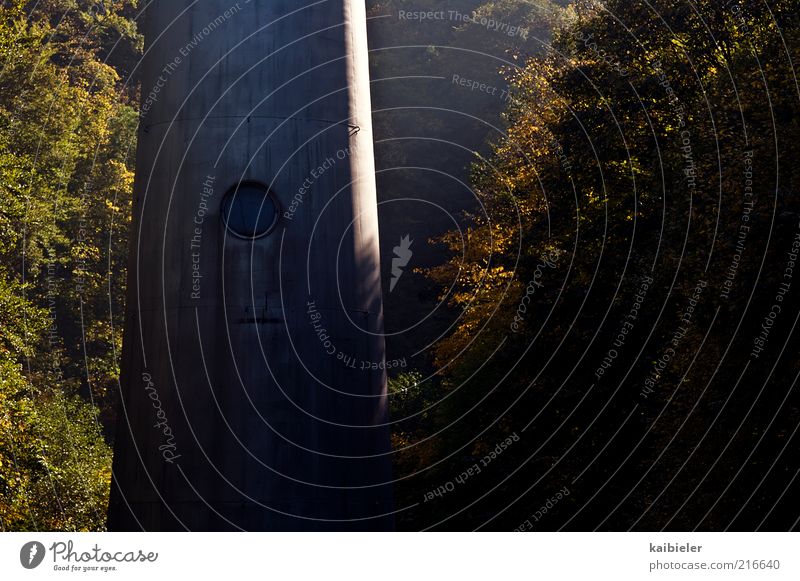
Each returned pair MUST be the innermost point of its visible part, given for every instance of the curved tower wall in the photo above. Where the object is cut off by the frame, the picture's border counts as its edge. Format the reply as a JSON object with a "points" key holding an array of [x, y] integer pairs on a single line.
{"points": [[253, 394]]}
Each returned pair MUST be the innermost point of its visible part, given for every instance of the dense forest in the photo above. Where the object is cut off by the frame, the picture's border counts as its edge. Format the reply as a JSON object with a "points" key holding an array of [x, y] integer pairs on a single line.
{"points": [[68, 120], [625, 293], [597, 324]]}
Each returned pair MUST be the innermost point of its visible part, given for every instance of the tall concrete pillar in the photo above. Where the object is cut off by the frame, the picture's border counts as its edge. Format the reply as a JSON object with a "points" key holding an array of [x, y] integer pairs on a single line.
{"points": [[253, 377]]}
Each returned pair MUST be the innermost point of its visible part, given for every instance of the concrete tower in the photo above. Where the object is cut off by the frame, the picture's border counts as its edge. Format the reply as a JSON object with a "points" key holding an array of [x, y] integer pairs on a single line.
{"points": [[253, 380]]}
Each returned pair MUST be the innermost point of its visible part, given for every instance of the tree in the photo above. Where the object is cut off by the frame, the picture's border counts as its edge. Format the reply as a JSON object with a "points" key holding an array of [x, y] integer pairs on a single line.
{"points": [[66, 137], [624, 173]]}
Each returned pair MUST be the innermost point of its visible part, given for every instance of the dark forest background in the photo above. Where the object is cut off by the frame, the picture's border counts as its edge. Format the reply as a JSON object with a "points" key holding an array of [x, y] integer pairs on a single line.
{"points": [[600, 309]]}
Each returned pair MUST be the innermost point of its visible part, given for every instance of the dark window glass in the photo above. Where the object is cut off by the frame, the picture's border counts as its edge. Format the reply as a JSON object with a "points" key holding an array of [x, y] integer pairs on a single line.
{"points": [[250, 210]]}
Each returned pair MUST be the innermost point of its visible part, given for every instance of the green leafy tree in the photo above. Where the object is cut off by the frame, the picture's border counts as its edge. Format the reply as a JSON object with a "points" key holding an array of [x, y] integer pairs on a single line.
{"points": [[67, 133]]}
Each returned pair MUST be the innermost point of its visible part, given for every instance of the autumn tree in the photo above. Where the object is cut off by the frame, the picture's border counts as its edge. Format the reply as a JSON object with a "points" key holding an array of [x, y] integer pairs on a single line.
{"points": [[636, 150]]}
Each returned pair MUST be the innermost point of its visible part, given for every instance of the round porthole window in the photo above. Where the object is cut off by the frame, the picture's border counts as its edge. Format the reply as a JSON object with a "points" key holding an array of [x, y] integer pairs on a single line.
{"points": [[250, 210]]}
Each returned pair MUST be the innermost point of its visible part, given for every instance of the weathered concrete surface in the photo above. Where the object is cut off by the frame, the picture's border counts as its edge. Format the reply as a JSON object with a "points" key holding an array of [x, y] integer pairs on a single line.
{"points": [[251, 385]]}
